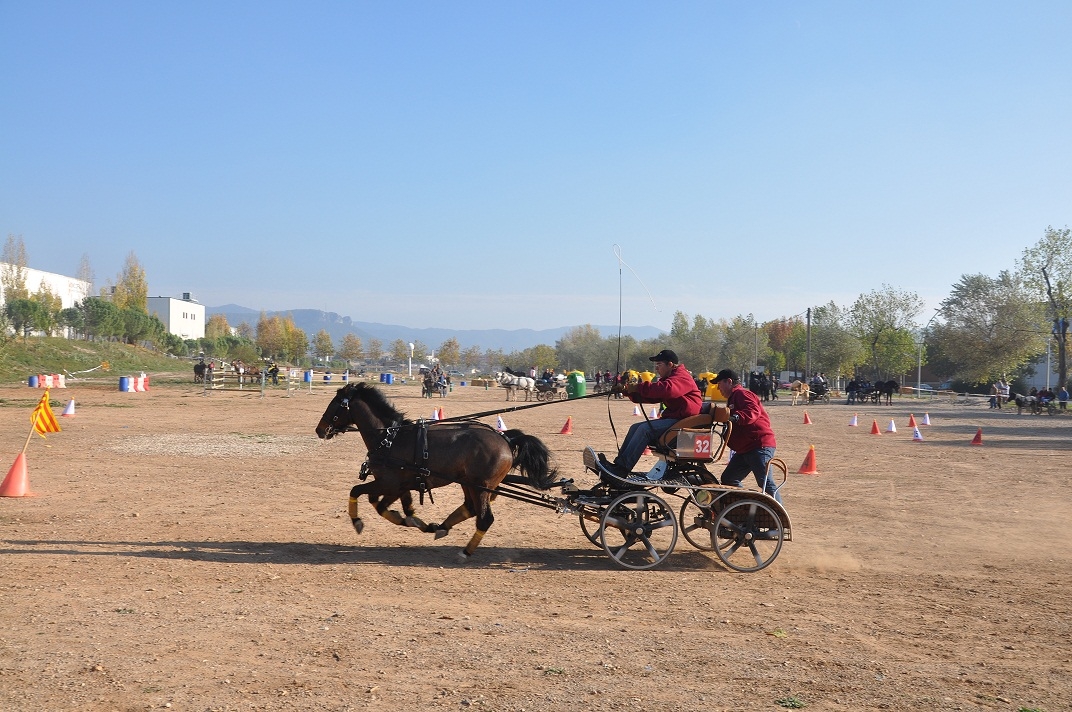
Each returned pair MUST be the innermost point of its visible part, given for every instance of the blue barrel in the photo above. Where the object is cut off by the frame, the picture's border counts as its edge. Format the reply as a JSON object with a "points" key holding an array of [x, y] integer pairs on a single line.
{"points": [[307, 376], [383, 378], [389, 378], [327, 376], [345, 376], [33, 381], [124, 383], [463, 383]]}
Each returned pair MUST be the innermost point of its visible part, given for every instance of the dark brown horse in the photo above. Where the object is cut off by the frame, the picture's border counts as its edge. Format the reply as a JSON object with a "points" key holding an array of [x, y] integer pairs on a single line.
{"points": [[404, 457]]}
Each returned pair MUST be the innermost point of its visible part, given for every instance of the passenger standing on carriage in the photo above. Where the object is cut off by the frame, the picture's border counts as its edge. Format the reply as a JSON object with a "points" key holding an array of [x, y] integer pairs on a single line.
{"points": [[751, 436], [676, 389]]}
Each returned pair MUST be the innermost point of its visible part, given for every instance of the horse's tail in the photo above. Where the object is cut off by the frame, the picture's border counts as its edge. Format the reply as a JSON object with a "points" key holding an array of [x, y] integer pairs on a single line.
{"points": [[532, 458]]}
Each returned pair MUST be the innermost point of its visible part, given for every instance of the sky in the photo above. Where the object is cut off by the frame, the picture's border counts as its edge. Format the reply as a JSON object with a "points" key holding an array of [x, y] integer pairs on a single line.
{"points": [[477, 165]]}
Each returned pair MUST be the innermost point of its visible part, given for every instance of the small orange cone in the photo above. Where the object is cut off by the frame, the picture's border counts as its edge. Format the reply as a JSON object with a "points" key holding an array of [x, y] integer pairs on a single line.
{"points": [[892, 427], [68, 412], [916, 436], [647, 451], [808, 467], [439, 414], [911, 420], [978, 439], [567, 429], [926, 419], [807, 420], [853, 423], [17, 482], [874, 428]]}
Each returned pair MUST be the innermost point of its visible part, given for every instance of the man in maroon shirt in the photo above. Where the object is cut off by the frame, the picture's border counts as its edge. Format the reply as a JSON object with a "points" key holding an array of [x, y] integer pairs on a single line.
{"points": [[751, 437], [676, 389]]}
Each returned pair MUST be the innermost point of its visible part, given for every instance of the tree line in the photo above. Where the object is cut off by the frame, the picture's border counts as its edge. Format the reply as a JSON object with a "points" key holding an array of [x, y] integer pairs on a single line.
{"points": [[988, 327]]}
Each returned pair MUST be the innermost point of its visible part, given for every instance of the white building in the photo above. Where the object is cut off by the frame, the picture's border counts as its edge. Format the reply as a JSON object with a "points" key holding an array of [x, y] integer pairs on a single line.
{"points": [[68, 289], [183, 317]]}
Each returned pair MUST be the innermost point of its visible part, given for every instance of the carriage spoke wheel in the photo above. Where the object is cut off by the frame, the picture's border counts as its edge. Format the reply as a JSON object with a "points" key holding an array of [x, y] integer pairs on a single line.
{"points": [[748, 535], [638, 530], [590, 518], [696, 524]]}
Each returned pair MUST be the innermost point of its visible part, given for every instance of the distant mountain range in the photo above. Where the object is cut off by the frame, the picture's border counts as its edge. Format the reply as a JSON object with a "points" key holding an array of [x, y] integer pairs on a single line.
{"points": [[313, 320]]}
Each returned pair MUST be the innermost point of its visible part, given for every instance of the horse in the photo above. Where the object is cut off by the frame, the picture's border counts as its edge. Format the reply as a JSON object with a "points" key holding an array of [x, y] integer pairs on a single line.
{"points": [[801, 391], [1022, 401], [429, 387], [199, 372], [513, 384], [404, 457], [886, 388]]}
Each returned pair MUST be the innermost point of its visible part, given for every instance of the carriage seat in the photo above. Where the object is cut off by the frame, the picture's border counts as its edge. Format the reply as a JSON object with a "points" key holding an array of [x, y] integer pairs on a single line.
{"points": [[703, 424]]}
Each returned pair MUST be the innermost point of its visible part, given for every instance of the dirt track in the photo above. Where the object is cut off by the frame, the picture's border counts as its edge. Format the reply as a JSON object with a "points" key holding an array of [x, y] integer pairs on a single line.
{"points": [[194, 552]]}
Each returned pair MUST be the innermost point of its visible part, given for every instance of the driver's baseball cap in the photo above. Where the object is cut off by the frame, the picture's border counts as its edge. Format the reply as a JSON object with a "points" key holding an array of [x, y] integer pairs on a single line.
{"points": [[666, 356], [727, 373]]}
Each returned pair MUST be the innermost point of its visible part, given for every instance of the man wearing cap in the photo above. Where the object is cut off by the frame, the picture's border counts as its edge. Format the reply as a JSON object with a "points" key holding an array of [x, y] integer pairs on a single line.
{"points": [[751, 437], [676, 389]]}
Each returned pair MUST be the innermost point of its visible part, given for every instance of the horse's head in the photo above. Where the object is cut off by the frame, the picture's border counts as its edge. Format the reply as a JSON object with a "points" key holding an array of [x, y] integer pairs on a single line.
{"points": [[361, 407], [337, 416]]}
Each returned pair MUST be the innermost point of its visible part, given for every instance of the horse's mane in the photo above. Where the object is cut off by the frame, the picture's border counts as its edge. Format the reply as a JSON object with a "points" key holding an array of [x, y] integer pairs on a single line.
{"points": [[378, 403]]}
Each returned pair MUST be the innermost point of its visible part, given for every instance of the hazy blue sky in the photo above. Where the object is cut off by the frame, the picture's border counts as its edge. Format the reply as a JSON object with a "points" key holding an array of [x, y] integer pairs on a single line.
{"points": [[472, 164]]}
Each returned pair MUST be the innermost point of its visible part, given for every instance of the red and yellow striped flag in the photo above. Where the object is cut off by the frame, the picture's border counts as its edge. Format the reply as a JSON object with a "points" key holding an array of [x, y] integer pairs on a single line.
{"points": [[43, 419]]}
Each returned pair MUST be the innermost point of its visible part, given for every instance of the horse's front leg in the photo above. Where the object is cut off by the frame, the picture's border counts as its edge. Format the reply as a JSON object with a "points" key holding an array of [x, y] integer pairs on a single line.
{"points": [[373, 490], [412, 520]]}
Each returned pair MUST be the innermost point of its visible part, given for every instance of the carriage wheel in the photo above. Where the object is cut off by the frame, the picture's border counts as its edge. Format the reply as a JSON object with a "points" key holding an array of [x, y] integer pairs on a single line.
{"points": [[696, 524], [748, 535], [590, 527], [638, 530]]}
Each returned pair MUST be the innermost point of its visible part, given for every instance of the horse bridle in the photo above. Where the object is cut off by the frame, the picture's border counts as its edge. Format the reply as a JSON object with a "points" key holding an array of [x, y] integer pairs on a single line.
{"points": [[344, 405]]}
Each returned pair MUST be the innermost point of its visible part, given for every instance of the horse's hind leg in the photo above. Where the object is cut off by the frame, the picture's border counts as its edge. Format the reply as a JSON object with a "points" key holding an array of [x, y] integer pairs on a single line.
{"points": [[484, 520], [412, 520]]}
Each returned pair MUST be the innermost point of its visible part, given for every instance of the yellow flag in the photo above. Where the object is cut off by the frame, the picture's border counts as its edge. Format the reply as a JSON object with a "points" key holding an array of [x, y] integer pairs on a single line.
{"points": [[43, 419]]}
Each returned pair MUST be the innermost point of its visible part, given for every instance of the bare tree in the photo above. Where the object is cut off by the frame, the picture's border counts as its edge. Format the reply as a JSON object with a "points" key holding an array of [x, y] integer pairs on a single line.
{"points": [[13, 273], [1047, 270]]}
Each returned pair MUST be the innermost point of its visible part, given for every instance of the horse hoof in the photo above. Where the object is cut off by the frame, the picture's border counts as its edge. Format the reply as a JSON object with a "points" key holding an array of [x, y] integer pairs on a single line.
{"points": [[463, 557], [430, 528], [359, 526], [440, 533]]}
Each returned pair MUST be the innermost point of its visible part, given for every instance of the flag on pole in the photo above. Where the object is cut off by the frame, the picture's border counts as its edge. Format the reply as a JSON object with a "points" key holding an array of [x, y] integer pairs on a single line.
{"points": [[44, 421]]}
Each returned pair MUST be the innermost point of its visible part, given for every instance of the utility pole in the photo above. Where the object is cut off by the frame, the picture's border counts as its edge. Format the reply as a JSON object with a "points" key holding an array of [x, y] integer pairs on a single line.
{"points": [[807, 356]]}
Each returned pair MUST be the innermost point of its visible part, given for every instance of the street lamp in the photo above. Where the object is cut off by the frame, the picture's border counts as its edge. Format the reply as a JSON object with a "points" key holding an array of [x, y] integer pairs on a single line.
{"points": [[919, 360], [411, 359]]}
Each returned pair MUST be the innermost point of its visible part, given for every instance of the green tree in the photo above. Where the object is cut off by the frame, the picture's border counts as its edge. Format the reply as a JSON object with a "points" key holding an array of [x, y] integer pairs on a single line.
{"points": [[880, 320], [420, 351], [471, 356], [350, 348], [73, 319], [22, 315], [579, 349], [1047, 271], [131, 288], [375, 350], [449, 352], [400, 351], [698, 343], [323, 346], [13, 271], [46, 319], [739, 346], [137, 325], [835, 350], [991, 326], [103, 319]]}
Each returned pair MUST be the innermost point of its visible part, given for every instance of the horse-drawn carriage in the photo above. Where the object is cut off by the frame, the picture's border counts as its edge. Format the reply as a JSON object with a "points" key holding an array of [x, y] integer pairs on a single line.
{"points": [[628, 517], [550, 391]]}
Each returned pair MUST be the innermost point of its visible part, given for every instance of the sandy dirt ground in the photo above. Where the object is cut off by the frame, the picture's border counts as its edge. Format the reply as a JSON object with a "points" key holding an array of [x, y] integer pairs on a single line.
{"points": [[193, 552]]}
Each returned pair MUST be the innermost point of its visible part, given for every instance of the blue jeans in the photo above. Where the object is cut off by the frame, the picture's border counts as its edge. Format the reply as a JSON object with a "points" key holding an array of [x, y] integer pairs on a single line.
{"points": [[640, 436], [754, 461]]}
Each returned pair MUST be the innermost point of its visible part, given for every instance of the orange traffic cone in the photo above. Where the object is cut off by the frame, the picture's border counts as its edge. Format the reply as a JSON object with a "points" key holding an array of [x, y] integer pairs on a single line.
{"points": [[853, 423], [874, 428], [567, 429], [916, 436], [17, 482], [807, 420], [926, 419], [911, 420], [439, 414], [68, 412], [647, 451], [808, 467], [892, 427], [978, 439]]}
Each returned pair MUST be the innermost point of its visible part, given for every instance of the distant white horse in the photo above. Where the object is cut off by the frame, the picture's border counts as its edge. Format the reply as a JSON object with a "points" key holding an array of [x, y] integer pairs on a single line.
{"points": [[513, 384]]}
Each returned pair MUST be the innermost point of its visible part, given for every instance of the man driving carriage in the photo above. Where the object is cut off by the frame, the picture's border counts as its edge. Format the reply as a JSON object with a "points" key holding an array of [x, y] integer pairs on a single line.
{"points": [[676, 389]]}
